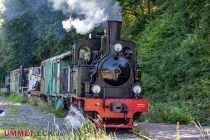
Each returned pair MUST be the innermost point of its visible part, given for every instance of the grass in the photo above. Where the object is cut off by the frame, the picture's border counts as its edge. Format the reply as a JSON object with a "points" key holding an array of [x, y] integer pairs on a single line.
{"points": [[203, 134], [35, 102], [2, 133], [88, 132], [13, 110], [19, 124], [14, 97], [177, 132], [45, 107], [91, 132]]}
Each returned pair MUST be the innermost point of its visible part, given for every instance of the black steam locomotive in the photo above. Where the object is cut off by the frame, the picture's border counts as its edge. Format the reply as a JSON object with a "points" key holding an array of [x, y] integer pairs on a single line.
{"points": [[104, 79]]}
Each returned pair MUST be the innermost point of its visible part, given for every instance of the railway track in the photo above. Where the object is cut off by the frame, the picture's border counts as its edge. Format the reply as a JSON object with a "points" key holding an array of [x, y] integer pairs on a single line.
{"points": [[139, 134], [123, 134]]}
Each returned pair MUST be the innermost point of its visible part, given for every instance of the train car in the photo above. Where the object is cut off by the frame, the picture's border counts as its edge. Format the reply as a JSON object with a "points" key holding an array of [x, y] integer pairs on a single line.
{"points": [[24, 80], [103, 79], [51, 72]]}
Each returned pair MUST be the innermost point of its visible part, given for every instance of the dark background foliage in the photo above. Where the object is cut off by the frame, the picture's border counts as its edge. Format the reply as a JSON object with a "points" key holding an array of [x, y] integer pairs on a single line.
{"points": [[172, 39]]}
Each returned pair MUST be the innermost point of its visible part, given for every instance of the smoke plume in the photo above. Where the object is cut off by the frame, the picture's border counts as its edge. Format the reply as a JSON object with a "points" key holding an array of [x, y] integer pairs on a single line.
{"points": [[2, 6], [84, 15]]}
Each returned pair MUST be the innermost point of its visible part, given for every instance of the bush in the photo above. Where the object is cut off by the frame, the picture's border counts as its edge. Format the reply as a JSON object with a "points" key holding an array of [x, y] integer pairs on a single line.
{"points": [[16, 97], [34, 101], [46, 107], [174, 53], [158, 113], [166, 113], [178, 115]]}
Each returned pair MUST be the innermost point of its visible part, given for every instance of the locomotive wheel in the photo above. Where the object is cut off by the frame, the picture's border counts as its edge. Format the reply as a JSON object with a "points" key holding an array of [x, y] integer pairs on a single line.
{"points": [[137, 116], [89, 115], [94, 117], [66, 104]]}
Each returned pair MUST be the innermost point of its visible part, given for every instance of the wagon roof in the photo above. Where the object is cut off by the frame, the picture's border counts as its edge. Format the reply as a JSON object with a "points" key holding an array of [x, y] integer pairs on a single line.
{"points": [[61, 56], [33, 68], [17, 70]]}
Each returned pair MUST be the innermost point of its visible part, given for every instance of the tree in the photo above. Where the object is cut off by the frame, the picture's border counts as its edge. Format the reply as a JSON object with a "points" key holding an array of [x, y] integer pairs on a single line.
{"points": [[32, 32]]}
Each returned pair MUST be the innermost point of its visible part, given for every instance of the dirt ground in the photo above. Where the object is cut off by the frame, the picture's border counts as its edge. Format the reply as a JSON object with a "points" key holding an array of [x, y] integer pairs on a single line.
{"points": [[18, 116]]}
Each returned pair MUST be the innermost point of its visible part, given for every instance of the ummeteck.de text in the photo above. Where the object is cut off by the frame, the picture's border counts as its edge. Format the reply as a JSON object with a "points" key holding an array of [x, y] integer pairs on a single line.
{"points": [[25, 133]]}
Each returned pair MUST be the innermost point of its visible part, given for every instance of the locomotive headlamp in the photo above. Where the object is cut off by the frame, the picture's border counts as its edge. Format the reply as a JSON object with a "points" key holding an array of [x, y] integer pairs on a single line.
{"points": [[96, 89], [137, 89], [118, 47]]}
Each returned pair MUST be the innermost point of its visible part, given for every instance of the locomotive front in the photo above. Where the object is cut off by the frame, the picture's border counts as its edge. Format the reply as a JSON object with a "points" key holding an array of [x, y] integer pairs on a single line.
{"points": [[118, 73], [105, 79]]}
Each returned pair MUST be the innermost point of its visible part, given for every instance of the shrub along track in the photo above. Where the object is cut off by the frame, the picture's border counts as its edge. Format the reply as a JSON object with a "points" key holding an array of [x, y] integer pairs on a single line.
{"points": [[20, 116]]}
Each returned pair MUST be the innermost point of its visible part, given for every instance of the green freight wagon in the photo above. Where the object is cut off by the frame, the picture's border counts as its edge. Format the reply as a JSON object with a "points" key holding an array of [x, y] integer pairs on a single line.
{"points": [[51, 72]]}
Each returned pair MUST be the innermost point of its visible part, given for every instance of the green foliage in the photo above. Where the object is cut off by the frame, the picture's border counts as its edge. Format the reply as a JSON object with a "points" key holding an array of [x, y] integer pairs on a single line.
{"points": [[135, 16], [14, 97], [31, 31], [175, 56], [165, 113], [177, 115]]}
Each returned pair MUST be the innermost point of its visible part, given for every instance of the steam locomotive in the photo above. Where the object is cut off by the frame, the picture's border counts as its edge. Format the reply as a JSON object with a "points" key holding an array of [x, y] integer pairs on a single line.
{"points": [[99, 76]]}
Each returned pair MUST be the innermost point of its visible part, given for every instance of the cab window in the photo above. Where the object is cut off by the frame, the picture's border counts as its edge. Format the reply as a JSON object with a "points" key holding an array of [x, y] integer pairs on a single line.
{"points": [[85, 53]]}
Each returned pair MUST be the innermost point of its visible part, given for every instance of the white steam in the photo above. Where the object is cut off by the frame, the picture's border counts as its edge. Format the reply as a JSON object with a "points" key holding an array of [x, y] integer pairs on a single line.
{"points": [[75, 118], [84, 15], [2, 6]]}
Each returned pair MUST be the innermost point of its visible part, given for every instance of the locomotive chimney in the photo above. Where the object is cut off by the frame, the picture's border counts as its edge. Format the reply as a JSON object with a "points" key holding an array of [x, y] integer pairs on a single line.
{"points": [[114, 31]]}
